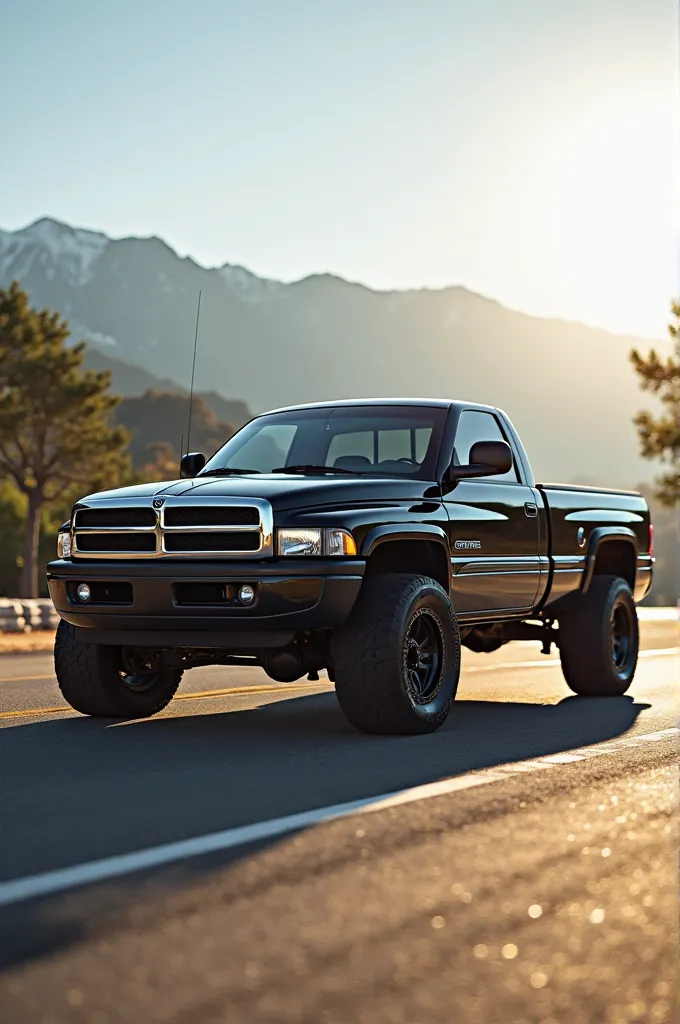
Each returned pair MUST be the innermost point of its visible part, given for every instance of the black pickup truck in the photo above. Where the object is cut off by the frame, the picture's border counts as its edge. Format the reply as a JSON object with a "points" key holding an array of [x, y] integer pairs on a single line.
{"points": [[368, 538]]}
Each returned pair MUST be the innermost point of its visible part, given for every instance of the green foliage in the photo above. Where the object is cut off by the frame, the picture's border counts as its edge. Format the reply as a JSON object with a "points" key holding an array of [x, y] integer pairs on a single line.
{"points": [[156, 422], [12, 520], [660, 435], [55, 418]]}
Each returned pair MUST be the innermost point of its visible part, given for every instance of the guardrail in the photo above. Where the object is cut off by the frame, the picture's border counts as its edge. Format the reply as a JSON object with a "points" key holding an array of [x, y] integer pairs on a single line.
{"points": [[22, 616]]}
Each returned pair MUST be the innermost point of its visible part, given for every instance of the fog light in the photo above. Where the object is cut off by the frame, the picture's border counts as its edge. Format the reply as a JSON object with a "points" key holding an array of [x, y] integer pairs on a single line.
{"points": [[246, 594], [83, 592]]}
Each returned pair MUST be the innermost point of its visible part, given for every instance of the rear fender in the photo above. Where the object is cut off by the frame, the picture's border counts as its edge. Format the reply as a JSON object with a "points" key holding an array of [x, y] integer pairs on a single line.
{"points": [[599, 538]]}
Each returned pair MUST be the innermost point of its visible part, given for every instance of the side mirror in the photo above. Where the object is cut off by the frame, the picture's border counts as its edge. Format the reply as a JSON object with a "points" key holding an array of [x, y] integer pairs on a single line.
{"points": [[487, 458], [191, 464]]}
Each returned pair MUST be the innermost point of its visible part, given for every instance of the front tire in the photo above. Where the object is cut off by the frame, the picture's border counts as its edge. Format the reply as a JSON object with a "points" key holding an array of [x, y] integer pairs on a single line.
{"points": [[93, 680], [599, 640], [397, 659]]}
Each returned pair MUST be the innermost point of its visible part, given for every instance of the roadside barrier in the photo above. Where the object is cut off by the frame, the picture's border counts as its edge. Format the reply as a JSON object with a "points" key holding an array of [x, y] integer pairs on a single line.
{"points": [[32, 615], [12, 616], [40, 614], [48, 615], [22, 616]]}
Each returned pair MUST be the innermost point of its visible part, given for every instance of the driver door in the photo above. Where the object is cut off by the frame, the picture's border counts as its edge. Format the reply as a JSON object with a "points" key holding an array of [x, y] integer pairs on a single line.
{"points": [[493, 529]]}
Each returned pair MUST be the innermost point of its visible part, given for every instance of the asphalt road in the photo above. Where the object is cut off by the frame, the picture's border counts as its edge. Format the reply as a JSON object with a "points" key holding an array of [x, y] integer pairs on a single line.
{"points": [[518, 866]]}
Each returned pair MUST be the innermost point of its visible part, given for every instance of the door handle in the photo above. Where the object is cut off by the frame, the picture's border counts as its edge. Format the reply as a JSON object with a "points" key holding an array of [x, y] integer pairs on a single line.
{"points": [[530, 509]]}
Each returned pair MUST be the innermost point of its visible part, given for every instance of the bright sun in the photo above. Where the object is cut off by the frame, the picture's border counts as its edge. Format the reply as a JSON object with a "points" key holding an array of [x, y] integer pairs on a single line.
{"points": [[604, 207]]}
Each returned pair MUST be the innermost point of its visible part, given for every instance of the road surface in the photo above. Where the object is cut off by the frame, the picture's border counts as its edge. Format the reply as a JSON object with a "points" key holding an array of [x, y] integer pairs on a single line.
{"points": [[247, 857]]}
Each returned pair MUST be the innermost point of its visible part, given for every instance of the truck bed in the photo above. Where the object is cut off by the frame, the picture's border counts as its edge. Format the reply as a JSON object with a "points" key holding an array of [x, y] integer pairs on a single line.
{"points": [[578, 518]]}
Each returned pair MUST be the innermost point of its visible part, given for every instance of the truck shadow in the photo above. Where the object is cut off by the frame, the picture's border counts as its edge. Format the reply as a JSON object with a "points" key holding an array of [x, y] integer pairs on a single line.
{"points": [[84, 788]]}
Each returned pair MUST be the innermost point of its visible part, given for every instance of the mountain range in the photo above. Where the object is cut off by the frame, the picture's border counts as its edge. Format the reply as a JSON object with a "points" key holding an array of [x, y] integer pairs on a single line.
{"points": [[568, 387]]}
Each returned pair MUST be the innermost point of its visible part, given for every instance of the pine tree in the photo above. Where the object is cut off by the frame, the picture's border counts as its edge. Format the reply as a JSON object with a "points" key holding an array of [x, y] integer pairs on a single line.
{"points": [[55, 418], [660, 435]]}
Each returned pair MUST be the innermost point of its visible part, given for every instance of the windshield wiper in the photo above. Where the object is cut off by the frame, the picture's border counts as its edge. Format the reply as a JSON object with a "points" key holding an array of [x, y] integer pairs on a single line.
{"points": [[226, 471], [317, 469]]}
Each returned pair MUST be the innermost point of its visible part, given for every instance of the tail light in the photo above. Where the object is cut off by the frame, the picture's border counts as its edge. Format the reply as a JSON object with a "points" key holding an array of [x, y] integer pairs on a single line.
{"points": [[651, 538]]}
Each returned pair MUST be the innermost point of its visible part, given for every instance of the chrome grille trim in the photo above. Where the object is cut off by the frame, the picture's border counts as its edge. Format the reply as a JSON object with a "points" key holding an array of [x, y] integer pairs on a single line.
{"points": [[265, 529]]}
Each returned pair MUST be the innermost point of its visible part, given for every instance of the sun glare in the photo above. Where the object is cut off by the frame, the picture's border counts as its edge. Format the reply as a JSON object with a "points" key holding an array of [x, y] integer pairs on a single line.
{"points": [[605, 207]]}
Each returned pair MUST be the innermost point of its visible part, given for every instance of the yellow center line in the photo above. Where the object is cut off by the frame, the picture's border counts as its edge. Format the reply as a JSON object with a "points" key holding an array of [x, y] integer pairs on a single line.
{"points": [[34, 711], [202, 694]]}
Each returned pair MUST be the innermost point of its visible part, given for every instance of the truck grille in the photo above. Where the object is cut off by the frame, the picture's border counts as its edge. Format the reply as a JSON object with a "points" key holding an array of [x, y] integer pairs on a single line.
{"points": [[133, 542], [94, 517], [183, 527], [183, 515], [244, 540]]}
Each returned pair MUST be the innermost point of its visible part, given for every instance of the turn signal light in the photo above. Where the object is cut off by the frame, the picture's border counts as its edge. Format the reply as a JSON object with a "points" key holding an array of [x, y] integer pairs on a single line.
{"points": [[340, 542]]}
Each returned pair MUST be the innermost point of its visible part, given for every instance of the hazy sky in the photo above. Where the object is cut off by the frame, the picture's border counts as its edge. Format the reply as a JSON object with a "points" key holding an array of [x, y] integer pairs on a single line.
{"points": [[524, 148]]}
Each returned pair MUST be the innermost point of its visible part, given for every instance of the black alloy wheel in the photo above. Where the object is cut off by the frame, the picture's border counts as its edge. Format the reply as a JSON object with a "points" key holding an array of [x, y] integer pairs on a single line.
{"points": [[137, 673], [139, 681], [423, 654], [622, 631]]}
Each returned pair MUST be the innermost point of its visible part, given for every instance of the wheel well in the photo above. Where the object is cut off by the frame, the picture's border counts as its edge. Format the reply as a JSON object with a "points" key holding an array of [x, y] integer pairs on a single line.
{"points": [[420, 557], [616, 558]]}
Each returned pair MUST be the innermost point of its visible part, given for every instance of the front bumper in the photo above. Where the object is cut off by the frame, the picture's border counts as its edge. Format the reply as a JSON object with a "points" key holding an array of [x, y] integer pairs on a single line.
{"points": [[292, 595]]}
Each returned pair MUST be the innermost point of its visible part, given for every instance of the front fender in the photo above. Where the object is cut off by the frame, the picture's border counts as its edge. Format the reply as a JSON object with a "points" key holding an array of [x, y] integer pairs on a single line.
{"points": [[392, 532]]}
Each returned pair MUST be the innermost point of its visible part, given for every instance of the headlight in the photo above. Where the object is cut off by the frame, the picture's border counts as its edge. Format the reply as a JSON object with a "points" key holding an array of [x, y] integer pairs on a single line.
{"points": [[313, 541], [64, 544]]}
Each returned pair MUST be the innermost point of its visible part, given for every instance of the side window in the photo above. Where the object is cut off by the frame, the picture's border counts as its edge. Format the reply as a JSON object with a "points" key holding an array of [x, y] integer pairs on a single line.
{"points": [[478, 426]]}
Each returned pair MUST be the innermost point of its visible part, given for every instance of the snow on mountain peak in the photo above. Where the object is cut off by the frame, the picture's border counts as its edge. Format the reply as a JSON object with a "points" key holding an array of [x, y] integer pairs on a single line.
{"points": [[73, 249], [248, 286]]}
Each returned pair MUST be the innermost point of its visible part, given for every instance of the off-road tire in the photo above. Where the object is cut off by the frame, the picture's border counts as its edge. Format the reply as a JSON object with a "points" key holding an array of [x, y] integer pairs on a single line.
{"points": [[89, 677], [371, 674], [592, 663]]}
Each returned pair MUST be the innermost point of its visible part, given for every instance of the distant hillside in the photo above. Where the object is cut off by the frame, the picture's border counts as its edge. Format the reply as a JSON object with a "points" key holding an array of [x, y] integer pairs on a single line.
{"points": [[158, 421], [129, 381], [568, 387]]}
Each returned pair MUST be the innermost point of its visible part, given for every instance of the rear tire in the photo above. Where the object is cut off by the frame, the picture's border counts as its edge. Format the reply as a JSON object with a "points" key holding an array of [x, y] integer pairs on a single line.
{"points": [[92, 679], [599, 640], [397, 659]]}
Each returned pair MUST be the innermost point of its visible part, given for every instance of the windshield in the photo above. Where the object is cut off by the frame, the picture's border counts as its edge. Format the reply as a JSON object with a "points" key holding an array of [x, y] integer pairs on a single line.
{"points": [[388, 440]]}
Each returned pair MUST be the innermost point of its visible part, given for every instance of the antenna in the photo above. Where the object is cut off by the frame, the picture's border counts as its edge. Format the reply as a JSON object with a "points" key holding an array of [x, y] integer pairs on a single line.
{"points": [[193, 370]]}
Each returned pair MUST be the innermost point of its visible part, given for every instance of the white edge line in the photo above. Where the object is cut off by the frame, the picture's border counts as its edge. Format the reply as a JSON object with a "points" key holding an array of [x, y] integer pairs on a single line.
{"points": [[19, 889], [649, 613]]}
